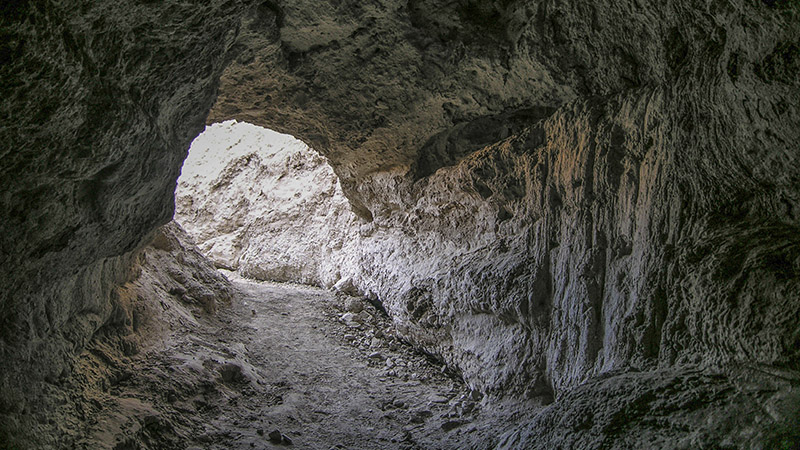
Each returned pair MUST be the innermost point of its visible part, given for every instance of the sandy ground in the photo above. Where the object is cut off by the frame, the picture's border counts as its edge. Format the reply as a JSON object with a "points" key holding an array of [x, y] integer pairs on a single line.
{"points": [[290, 365]]}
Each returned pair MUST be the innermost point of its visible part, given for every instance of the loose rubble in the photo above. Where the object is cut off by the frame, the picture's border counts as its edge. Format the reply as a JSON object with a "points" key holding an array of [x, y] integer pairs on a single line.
{"points": [[290, 365]]}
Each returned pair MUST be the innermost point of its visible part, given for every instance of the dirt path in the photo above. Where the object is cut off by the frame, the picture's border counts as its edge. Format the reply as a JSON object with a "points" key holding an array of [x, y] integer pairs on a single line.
{"points": [[312, 365]]}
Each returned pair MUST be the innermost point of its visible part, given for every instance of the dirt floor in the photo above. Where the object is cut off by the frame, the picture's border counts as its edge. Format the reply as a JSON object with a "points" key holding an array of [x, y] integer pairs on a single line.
{"points": [[290, 365]]}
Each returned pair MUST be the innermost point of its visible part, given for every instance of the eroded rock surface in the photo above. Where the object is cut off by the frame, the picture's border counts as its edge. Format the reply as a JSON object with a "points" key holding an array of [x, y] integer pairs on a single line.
{"points": [[99, 102], [554, 191], [172, 288]]}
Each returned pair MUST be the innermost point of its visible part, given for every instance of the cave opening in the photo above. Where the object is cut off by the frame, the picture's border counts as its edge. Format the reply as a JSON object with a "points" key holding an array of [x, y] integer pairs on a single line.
{"points": [[293, 337], [263, 204]]}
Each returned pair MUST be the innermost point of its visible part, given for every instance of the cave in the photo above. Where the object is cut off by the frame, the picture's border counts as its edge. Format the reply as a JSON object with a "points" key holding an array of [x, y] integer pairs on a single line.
{"points": [[588, 215]]}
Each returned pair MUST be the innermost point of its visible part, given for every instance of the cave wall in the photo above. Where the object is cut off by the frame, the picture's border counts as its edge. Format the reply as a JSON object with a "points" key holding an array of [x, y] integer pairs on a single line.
{"points": [[100, 101], [594, 186], [557, 192], [550, 191]]}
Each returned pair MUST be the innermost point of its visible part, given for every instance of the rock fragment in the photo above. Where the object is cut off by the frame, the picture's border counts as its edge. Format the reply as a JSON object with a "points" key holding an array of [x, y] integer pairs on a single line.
{"points": [[353, 305], [275, 436], [452, 424]]}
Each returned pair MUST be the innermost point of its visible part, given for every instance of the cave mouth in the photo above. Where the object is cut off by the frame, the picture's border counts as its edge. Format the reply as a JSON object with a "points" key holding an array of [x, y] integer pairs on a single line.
{"points": [[263, 204]]}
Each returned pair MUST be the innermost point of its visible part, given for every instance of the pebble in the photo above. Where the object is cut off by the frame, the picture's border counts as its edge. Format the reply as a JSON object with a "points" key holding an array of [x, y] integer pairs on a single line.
{"points": [[354, 305], [349, 319], [275, 436], [389, 363], [438, 399], [375, 355], [452, 424]]}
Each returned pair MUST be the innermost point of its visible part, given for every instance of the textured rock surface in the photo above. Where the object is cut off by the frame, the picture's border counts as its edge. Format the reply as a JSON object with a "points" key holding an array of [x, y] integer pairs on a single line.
{"points": [[173, 286], [555, 190], [649, 221], [668, 409], [98, 104]]}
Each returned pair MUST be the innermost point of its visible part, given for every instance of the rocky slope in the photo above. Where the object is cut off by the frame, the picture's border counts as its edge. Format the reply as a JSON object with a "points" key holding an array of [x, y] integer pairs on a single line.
{"points": [[172, 288], [551, 192]]}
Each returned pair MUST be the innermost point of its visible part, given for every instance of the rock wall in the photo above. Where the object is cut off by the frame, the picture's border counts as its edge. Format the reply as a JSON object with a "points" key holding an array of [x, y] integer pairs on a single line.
{"points": [[567, 191], [171, 285], [595, 186], [551, 192], [98, 104]]}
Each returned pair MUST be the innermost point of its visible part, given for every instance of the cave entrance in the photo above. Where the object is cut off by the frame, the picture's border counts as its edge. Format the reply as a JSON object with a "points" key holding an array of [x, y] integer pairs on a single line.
{"points": [[263, 204]]}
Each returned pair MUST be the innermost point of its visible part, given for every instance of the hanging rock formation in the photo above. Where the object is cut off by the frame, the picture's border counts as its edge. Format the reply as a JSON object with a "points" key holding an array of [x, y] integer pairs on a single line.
{"points": [[560, 199]]}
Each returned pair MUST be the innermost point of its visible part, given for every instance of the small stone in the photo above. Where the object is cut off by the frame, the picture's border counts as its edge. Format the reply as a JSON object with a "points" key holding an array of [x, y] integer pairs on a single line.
{"points": [[375, 343], [275, 436], [345, 286], [452, 424], [438, 399], [354, 305], [375, 355], [419, 416], [389, 363], [286, 439], [254, 311], [349, 319]]}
